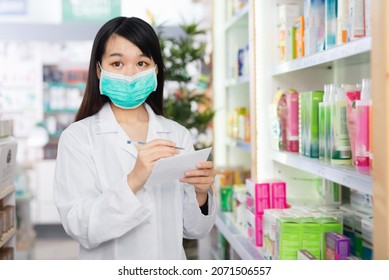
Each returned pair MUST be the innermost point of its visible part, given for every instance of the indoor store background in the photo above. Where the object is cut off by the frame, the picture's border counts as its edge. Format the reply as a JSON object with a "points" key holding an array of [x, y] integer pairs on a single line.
{"points": [[291, 95]]}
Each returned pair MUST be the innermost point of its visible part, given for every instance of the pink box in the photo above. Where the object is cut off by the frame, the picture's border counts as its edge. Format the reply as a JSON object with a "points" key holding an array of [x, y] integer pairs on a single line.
{"points": [[292, 121], [258, 196], [255, 228], [278, 194]]}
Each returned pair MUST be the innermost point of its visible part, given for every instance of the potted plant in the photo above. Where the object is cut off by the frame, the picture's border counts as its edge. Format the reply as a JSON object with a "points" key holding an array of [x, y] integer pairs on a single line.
{"points": [[187, 102]]}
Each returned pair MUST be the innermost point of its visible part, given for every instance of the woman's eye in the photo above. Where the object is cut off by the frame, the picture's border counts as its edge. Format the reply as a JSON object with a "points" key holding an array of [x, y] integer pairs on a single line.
{"points": [[142, 64], [117, 64]]}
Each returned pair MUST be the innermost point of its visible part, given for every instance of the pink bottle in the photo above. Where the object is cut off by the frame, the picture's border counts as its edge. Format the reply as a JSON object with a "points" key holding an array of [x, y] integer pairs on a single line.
{"points": [[362, 144]]}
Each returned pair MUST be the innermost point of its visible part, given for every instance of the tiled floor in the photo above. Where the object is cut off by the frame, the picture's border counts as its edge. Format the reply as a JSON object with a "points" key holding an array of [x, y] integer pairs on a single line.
{"points": [[52, 243]]}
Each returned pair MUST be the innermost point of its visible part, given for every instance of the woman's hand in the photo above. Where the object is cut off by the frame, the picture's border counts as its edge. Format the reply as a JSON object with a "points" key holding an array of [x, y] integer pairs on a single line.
{"points": [[148, 154], [202, 179]]}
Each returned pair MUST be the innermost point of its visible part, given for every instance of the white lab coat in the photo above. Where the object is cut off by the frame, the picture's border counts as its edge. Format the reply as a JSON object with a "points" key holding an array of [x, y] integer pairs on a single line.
{"points": [[98, 208]]}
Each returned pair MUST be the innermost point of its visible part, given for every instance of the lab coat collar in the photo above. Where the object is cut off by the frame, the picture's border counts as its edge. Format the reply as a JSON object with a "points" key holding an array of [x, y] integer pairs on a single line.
{"points": [[106, 123]]}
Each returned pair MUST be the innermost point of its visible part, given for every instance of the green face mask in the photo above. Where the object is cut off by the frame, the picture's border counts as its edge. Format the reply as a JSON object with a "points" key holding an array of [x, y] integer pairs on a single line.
{"points": [[128, 92]]}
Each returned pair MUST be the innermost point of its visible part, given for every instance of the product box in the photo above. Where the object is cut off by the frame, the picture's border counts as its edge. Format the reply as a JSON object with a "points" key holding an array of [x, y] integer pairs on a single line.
{"points": [[356, 19], [330, 23], [8, 149], [239, 205], [286, 15], [299, 37], [342, 22], [274, 128], [311, 236], [332, 192], [270, 217], [278, 194], [254, 228], [359, 238], [361, 201], [327, 225], [288, 239], [314, 14], [309, 122], [367, 235], [305, 255], [337, 246], [258, 196], [292, 130], [226, 198]]}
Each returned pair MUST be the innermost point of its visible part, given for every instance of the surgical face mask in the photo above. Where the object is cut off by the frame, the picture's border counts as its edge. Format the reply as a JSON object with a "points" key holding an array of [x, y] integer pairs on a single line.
{"points": [[128, 92]]}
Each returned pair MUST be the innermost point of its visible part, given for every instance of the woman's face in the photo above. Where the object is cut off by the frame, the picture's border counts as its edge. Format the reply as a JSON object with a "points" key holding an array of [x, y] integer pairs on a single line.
{"points": [[123, 57]]}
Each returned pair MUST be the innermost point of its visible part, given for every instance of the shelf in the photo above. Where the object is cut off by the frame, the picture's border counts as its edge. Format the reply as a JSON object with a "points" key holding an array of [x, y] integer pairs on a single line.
{"points": [[243, 80], [23, 197], [353, 52], [7, 236], [61, 111], [237, 240], [245, 146], [239, 19], [6, 191], [80, 86], [344, 175]]}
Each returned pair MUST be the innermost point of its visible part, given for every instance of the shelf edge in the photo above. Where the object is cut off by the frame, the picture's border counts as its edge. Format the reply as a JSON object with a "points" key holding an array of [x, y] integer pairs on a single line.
{"points": [[341, 175]]}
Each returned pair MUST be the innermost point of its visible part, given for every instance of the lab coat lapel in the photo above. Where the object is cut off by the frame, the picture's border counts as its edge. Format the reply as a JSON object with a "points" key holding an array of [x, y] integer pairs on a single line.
{"points": [[107, 124], [157, 127]]}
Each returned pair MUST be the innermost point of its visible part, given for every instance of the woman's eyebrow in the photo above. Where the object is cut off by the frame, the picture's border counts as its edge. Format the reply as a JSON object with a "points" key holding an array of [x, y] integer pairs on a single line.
{"points": [[116, 54]]}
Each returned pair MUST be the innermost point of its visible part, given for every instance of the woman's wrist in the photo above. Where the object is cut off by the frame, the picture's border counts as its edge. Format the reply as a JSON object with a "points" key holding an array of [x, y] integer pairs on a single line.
{"points": [[202, 198], [133, 182]]}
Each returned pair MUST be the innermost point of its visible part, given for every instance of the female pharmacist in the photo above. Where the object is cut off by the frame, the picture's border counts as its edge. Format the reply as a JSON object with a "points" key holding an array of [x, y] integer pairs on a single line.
{"points": [[99, 185]]}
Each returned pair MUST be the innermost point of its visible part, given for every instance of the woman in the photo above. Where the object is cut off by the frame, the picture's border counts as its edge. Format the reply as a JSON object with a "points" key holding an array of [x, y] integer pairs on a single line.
{"points": [[99, 187]]}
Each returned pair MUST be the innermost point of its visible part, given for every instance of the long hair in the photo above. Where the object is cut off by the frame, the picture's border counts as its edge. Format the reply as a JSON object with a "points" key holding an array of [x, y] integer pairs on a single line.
{"points": [[144, 37]]}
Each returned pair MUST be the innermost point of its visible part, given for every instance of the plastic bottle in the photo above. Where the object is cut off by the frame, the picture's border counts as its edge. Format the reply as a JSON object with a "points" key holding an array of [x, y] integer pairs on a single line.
{"points": [[341, 148], [322, 122], [362, 145]]}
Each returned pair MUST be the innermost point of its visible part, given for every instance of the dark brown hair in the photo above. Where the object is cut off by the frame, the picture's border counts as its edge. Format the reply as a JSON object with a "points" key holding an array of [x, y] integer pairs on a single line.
{"points": [[144, 37]]}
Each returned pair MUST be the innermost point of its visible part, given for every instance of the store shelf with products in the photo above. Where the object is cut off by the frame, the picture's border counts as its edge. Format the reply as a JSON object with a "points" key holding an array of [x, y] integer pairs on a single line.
{"points": [[243, 145], [355, 52], [231, 83], [237, 239], [8, 150], [63, 88], [233, 99], [349, 64], [6, 236]]}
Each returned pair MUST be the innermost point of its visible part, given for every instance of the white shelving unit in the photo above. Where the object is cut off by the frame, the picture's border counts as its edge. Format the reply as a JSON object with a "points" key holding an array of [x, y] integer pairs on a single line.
{"points": [[344, 175], [230, 89], [8, 147], [348, 63], [237, 239], [355, 52]]}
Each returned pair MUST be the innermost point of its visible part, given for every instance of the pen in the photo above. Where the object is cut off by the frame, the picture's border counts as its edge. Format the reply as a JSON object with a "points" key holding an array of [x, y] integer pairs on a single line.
{"points": [[142, 143]]}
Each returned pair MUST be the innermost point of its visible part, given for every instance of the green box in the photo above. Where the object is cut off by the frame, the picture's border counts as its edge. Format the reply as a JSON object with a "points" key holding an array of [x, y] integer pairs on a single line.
{"points": [[226, 197], [288, 238], [311, 236], [327, 225]]}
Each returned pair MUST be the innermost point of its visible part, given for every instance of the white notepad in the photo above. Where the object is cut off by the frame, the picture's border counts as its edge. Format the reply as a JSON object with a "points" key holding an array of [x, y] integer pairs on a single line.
{"points": [[172, 168]]}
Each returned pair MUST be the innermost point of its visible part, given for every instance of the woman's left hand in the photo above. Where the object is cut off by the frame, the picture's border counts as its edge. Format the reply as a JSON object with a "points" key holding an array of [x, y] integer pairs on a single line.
{"points": [[202, 179]]}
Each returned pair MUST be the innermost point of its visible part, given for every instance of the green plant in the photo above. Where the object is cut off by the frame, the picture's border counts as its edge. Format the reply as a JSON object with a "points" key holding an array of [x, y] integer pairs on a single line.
{"points": [[187, 105]]}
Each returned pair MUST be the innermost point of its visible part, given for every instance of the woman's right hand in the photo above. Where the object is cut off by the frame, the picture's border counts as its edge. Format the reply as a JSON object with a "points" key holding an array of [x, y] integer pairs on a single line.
{"points": [[148, 154]]}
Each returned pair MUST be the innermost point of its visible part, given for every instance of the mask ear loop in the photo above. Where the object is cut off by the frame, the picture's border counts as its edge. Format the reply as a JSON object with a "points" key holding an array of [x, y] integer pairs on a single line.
{"points": [[98, 63]]}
